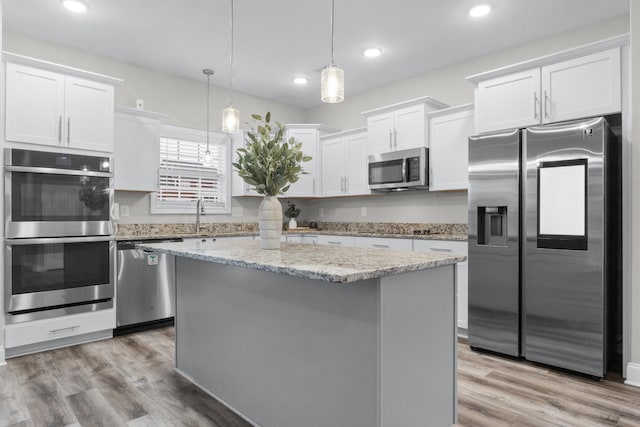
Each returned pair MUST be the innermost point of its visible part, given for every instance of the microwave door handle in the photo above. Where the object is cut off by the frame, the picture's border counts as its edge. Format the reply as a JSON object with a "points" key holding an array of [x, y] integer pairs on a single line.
{"points": [[405, 177]]}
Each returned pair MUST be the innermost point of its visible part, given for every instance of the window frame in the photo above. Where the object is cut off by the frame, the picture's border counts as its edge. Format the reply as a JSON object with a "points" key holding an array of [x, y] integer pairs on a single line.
{"points": [[200, 137]]}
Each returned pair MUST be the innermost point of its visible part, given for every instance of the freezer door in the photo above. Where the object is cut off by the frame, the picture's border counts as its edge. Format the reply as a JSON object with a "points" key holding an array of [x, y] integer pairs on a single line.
{"points": [[494, 274], [563, 263]]}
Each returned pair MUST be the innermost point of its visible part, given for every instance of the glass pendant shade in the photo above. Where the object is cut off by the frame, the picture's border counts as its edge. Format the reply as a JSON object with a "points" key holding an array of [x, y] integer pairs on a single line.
{"points": [[332, 84], [208, 159], [230, 120]]}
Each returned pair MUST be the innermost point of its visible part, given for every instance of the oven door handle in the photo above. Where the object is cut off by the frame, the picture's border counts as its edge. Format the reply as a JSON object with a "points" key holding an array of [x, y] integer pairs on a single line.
{"points": [[56, 171], [53, 240]]}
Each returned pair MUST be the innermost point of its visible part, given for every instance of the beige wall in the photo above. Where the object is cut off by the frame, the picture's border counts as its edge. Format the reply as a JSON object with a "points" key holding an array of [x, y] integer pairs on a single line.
{"points": [[448, 84], [183, 100]]}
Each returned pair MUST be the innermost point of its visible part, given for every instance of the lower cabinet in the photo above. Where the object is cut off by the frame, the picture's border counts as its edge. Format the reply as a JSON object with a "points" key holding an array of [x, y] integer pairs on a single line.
{"points": [[71, 326], [301, 238], [451, 247]]}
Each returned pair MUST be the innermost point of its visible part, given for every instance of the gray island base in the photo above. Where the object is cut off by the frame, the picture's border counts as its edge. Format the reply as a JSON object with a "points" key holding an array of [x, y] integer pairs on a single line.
{"points": [[318, 335]]}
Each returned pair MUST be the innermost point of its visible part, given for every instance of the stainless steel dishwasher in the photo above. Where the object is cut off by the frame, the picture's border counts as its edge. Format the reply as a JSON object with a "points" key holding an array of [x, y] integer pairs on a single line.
{"points": [[145, 287]]}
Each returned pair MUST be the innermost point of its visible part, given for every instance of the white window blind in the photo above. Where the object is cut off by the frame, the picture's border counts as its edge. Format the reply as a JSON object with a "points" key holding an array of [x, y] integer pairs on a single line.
{"points": [[183, 177]]}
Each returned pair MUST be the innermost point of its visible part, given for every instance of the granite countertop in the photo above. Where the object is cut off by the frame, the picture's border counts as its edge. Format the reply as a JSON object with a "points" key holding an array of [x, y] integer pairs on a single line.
{"points": [[318, 262], [309, 231]]}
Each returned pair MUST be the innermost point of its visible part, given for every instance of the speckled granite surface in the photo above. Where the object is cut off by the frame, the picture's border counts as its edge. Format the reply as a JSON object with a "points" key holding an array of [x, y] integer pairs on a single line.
{"points": [[368, 229], [325, 263]]}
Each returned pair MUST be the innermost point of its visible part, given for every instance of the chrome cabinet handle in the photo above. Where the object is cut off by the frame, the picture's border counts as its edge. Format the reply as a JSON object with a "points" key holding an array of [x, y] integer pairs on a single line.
{"points": [[395, 138], [380, 246], [547, 113], [441, 250], [346, 184], [342, 184], [535, 105], [69, 131], [60, 130], [69, 329], [332, 242], [390, 140], [314, 186]]}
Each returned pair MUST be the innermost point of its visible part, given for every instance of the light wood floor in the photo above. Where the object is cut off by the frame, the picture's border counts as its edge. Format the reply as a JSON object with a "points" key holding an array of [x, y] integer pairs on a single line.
{"points": [[129, 381]]}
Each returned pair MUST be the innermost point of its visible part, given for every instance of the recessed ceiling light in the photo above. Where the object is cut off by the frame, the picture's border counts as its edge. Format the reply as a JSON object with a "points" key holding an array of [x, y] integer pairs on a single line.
{"points": [[373, 52], [480, 10], [75, 6], [300, 80]]}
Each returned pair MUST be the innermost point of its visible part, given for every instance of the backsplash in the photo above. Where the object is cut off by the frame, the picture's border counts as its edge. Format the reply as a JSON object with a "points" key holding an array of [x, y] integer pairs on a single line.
{"points": [[252, 227]]}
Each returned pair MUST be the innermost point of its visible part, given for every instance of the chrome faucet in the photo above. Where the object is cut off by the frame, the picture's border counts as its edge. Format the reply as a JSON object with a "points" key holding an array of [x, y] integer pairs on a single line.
{"points": [[199, 211]]}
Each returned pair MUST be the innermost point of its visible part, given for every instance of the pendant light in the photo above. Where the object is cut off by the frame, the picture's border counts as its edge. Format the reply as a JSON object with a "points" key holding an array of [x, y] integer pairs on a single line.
{"points": [[230, 115], [208, 160], [332, 78]]}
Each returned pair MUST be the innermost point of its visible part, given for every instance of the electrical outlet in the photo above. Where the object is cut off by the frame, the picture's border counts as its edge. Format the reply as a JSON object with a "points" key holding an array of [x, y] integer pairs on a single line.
{"points": [[363, 211], [124, 210], [321, 211]]}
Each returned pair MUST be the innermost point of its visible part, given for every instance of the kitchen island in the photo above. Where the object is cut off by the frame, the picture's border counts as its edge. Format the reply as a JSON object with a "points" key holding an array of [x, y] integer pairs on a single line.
{"points": [[318, 335]]}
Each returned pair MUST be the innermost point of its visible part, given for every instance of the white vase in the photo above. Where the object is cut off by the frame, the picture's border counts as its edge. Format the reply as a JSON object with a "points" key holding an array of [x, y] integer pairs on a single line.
{"points": [[292, 224], [270, 222]]}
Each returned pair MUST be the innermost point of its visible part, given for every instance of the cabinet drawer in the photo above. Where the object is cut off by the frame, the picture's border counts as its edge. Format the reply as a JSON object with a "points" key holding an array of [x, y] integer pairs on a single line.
{"points": [[347, 241], [44, 330], [443, 246], [384, 243]]}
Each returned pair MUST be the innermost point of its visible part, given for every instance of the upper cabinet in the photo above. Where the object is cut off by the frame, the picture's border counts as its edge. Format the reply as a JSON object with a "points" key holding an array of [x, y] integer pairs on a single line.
{"points": [[449, 130], [50, 104], [136, 149], [238, 186], [399, 126], [344, 163], [308, 185], [569, 85]]}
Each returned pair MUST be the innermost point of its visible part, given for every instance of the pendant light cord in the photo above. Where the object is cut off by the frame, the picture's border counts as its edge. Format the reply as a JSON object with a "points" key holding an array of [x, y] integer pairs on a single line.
{"points": [[332, 37], [231, 54], [208, 72]]}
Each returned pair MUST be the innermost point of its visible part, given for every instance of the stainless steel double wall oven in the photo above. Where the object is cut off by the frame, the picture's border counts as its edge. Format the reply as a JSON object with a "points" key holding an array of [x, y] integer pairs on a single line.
{"points": [[59, 244]]}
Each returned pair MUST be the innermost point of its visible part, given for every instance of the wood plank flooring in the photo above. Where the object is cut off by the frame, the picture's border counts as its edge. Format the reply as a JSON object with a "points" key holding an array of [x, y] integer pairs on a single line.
{"points": [[129, 381]]}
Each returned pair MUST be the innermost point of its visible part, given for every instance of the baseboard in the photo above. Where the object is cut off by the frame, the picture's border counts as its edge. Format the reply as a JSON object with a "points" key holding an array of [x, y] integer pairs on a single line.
{"points": [[633, 374], [2, 359]]}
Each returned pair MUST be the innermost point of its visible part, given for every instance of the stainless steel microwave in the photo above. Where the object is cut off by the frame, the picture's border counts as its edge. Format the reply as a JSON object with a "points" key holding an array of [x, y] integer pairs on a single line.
{"points": [[399, 170]]}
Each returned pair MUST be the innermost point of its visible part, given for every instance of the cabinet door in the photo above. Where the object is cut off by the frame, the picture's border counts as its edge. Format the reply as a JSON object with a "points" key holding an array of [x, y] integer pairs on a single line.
{"points": [[451, 247], [238, 186], [380, 133], [582, 87], [34, 105], [448, 150], [507, 102], [333, 166], [88, 114], [136, 153], [410, 127], [355, 168], [306, 184]]}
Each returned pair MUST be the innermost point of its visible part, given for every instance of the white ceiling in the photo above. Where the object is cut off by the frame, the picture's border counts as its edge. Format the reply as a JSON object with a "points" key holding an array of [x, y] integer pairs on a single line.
{"points": [[276, 40]]}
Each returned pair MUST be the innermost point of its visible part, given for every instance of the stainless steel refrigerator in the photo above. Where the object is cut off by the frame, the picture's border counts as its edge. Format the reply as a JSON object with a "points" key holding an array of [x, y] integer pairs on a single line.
{"points": [[544, 244]]}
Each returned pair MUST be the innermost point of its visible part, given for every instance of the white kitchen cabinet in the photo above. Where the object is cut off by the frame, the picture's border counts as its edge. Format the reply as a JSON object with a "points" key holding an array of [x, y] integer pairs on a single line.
{"points": [[384, 243], [344, 163], [399, 126], [136, 149], [551, 90], [334, 240], [308, 185], [451, 247], [64, 327], [449, 130], [238, 186], [50, 104]]}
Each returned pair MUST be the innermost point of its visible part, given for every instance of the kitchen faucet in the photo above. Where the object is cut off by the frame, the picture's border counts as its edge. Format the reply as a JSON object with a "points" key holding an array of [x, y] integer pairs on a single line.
{"points": [[199, 211]]}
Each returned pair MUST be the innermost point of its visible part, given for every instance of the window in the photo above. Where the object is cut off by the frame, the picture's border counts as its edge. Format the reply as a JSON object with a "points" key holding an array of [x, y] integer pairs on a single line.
{"points": [[184, 178]]}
